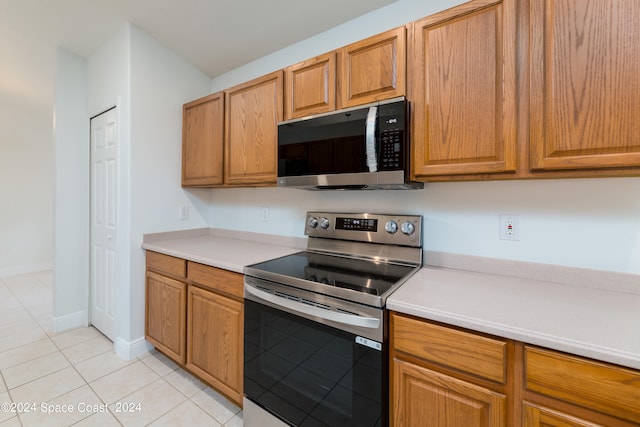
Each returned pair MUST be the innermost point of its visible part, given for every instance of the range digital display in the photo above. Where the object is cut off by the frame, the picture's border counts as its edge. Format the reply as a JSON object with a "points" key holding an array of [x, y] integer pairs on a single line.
{"points": [[357, 224]]}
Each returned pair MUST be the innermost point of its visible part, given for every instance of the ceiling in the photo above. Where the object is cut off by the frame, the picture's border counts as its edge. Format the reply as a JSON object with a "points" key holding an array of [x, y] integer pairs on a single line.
{"points": [[214, 35]]}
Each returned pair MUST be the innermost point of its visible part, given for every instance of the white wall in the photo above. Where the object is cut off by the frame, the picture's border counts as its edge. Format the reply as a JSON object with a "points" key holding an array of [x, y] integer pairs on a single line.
{"points": [[109, 85], [161, 82], [147, 84], [71, 192], [386, 18], [26, 190], [590, 223]]}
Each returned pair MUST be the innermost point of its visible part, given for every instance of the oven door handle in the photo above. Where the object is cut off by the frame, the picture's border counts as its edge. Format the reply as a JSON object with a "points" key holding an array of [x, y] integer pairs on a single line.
{"points": [[347, 319]]}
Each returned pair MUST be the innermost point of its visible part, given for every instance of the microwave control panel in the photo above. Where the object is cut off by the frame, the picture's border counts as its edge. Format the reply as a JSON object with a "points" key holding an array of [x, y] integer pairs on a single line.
{"points": [[391, 137]]}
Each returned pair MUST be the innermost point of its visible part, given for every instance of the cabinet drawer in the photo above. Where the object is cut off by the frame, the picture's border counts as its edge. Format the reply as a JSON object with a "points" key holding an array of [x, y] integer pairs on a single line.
{"points": [[470, 353], [224, 281], [605, 388], [166, 264]]}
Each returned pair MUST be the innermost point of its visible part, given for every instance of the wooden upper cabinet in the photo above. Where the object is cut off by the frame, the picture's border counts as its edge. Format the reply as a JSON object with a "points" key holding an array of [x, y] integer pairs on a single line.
{"points": [[463, 95], [252, 111], [372, 69], [584, 85], [310, 87], [202, 141]]}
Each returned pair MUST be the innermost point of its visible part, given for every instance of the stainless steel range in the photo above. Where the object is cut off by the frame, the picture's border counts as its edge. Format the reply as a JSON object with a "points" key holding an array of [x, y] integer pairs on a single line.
{"points": [[315, 322]]}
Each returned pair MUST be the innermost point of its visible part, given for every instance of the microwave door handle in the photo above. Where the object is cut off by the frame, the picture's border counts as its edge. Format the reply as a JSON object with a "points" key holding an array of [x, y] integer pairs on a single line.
{"points": [[370, 139], [347, 319]]}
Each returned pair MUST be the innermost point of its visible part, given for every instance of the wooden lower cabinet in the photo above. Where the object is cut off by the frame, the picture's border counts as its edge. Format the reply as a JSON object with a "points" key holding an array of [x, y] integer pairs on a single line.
{"points": [[165, 315], [444, 376], [215, 340], [166, 304], [580, 388], [447, 377], [195, 316], [424, 397], [536, 416]]}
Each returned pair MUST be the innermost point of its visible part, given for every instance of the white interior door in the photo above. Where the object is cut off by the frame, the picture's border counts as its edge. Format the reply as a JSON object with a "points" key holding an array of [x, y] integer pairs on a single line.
{"points": [[104, 152]]}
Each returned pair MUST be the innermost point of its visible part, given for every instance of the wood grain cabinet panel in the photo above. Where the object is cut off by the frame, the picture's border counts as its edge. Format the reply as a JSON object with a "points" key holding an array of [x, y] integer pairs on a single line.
{"points": [[215, 341], [429, 398], [584, 85], [165, 317], [538, 416], [217, 280], [310, 87], [166, 264], [372, 69], [446, 377], [198, 320], [470, 353], [439, 379], [463, 90], [608, 389], [203, 141], [252, 112]]}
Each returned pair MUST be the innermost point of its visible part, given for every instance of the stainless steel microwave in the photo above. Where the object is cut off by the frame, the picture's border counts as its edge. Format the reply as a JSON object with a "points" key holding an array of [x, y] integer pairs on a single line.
{"points": [[365, 147]]}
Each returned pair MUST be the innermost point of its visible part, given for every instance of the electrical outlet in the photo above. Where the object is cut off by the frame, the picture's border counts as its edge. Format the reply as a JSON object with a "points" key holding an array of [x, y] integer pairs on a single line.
{"points": [[183, 212], [509, 227], [265, 214]]}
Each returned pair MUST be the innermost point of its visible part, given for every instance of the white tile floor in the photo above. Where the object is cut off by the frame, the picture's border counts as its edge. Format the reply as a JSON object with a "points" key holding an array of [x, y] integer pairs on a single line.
{"points": [[74, 377]]}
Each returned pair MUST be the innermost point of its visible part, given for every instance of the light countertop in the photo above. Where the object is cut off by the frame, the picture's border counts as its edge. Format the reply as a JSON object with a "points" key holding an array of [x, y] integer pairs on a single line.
{"points": [[596, 323], [603, 324], [218, 248]]}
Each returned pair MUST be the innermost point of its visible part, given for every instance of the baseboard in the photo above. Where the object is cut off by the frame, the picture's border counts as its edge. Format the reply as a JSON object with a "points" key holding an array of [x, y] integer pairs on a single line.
{"points": [[128, 350], [70, 321], [24, 269]]}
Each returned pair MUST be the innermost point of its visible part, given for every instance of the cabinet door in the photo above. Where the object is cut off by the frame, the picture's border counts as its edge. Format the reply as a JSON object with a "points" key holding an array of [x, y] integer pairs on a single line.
{"points": [[422, 397], [215, 341], [310, 87], [165, 320], [372, 69], [535, 416], [463, 73], [584, 85], [252, 111], [202, 141]]}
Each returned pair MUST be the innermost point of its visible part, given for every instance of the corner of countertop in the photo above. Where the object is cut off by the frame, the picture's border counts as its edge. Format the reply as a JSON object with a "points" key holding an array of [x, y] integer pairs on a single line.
{"points": [[176, 234], [272, 239]]}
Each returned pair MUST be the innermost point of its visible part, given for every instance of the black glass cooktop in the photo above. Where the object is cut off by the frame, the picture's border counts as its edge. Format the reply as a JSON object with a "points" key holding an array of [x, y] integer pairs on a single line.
{"points": [[337, 272]]}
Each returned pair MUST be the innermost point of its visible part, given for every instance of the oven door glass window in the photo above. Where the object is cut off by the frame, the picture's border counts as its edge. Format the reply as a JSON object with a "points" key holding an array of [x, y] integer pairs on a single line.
{"points": [[310, 374]]}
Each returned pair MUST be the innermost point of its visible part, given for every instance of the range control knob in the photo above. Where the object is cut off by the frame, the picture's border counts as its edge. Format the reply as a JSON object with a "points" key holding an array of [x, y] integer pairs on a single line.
{"points": [[313, 222], [391, 227], [408, 228], [324, 223]]}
